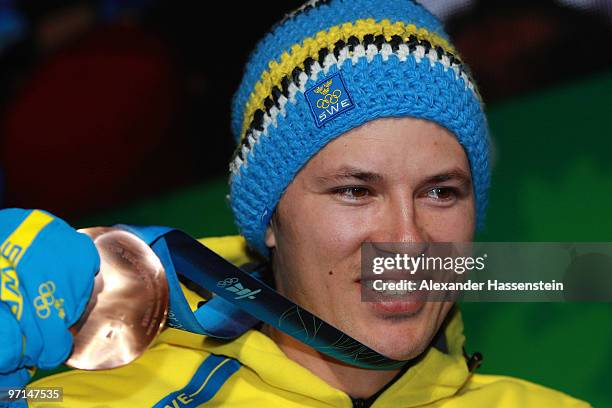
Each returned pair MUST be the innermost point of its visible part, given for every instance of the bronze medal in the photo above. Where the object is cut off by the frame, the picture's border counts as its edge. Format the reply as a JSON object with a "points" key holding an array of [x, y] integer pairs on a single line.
{"points": [[128, 305]]}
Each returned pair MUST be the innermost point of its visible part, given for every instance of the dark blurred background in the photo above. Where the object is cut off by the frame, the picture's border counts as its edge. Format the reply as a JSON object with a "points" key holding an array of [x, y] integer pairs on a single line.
{"points": [[118, 111], [106, 102]]}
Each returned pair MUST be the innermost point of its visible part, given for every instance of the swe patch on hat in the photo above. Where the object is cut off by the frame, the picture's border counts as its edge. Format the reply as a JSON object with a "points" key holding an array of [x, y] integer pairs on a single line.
{"points": [[328, 99]]}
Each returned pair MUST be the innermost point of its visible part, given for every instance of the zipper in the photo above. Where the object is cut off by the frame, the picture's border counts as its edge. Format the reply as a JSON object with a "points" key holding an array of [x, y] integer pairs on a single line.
{"points": [[360, 403]]}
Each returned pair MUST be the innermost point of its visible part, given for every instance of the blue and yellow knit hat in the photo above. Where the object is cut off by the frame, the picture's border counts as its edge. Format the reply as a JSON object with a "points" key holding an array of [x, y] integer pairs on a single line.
{"points": [[332, 66]]}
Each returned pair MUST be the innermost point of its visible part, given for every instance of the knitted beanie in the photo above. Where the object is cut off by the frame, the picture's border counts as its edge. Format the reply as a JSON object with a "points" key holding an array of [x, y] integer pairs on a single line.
{"points": [[329, 67]]}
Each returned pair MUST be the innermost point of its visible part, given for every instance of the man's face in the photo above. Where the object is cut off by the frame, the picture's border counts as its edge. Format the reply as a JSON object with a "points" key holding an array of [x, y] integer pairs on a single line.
{"points": [[390, 180]]}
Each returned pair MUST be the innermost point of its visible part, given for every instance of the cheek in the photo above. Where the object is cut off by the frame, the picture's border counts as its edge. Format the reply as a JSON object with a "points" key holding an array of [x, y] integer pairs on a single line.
{"points": [[323, 233], [456, 224], [343, 228], [317, 250]]}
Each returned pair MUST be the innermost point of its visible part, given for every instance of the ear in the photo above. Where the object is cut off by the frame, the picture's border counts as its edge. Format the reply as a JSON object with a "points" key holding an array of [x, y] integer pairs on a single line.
{"points": [[270, 237]]}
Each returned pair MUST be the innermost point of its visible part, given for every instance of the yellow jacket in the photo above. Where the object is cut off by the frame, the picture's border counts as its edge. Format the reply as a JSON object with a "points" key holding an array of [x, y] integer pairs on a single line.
{"points": [[188, 370]]}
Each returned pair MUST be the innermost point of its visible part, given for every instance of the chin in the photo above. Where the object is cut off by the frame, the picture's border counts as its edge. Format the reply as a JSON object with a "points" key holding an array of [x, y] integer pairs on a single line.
{"points": [[396, 340], [400, 337], [400, 345]]}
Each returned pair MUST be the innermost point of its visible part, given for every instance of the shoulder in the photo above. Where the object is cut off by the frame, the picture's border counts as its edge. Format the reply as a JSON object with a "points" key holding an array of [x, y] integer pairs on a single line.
{"points": [[503, 391], [164, 371], [187, 370], [167, 372]]}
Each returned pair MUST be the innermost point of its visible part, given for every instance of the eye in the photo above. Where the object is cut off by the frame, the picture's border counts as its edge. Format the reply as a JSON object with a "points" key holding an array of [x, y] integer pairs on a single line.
{"points": [[352, 193], [442, 194]]}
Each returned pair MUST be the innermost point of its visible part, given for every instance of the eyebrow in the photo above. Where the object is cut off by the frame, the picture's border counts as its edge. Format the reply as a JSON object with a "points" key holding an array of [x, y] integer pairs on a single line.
{"points": [[346, 172], [453, 174]]}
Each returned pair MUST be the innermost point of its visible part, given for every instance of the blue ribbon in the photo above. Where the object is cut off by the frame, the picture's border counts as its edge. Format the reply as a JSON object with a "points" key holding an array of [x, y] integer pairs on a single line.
{"points": [[242, 300]]}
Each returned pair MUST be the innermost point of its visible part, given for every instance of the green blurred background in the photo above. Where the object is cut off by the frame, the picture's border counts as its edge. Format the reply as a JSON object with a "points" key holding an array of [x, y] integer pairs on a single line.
{"points": [[552, 181]]}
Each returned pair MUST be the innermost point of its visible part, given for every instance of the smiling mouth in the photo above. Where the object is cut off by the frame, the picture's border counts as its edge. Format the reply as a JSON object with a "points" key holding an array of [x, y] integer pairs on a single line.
{"points": [[391, 302]]}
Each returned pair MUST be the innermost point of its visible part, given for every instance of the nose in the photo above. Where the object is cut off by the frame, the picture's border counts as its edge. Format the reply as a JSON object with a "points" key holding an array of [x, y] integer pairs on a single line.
{"points": [[399, 230]]}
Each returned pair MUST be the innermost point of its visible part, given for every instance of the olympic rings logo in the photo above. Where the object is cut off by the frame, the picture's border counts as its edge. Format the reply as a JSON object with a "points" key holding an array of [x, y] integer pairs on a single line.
{"points": [[46, 299], [227, 282], [329, 99]]}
